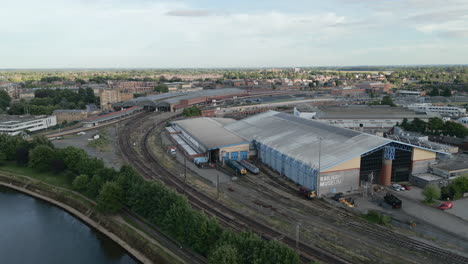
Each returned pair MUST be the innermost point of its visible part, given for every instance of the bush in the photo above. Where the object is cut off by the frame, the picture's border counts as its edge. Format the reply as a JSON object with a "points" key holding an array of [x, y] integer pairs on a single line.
{"points": [[80, 183], [226, 254], [377, 217], [41, 158], [110, 198], [431, 192], [191, 111], [456, 189]]}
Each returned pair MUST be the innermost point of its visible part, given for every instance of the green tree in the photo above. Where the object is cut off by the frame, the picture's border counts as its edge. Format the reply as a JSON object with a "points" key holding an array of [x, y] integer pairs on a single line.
{"points": [[3, 158], [110, 198], [40, 140], [80, 183], [435, 125], [418, 125], [431, 192], [225, 254], [387, 100], [94, 186], [447, 92], [40, 158], [162, 88], [72, 157], [405, 124], [22, 156], [5, 100]]}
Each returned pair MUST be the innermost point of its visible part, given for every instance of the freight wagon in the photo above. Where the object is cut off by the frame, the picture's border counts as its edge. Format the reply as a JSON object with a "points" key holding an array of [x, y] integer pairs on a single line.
{"points": [[237, 167], [250, 167]]}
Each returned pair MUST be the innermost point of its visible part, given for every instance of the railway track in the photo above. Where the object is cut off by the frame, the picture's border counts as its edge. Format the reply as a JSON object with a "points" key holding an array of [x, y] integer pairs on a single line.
{"points": [[371, 229], [151, 169]]}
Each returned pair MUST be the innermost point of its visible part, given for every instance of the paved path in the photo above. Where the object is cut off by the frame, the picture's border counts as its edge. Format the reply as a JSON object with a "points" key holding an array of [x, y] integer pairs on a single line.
{"points": [[460, 209], [412, 205]]}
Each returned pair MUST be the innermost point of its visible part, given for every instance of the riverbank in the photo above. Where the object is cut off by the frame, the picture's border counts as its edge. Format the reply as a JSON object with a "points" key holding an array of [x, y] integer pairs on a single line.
{"points": [[116, 228]]}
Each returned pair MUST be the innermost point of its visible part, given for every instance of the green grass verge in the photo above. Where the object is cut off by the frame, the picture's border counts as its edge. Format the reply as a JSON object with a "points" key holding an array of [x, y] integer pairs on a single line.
{"points": [[54, 179]]}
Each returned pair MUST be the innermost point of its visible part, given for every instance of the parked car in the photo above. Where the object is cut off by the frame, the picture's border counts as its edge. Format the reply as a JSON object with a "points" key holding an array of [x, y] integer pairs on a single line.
{"points": [[446, 205], [398, 187], [406, 186], [81, 133]]}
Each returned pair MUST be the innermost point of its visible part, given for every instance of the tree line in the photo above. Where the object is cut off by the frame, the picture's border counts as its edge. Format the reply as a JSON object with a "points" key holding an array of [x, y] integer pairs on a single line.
{"points": [[48, 100], [115, 189], [435, 126]]}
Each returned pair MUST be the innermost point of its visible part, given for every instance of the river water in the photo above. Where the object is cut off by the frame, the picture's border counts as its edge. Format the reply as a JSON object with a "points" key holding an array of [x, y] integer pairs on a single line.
{"points": [[33, 231]]}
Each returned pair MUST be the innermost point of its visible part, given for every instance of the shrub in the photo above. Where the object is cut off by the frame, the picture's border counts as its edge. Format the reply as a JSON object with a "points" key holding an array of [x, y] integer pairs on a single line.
{"points": [[431, 192], [377, 217]]}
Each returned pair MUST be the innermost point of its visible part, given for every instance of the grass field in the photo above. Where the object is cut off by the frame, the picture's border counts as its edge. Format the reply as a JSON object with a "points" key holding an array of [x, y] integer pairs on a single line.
{"points": [[47, 177]]}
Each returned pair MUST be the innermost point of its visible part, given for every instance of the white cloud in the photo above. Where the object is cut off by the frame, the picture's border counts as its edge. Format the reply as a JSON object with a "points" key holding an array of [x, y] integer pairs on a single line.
{"points": [[108, 33]]}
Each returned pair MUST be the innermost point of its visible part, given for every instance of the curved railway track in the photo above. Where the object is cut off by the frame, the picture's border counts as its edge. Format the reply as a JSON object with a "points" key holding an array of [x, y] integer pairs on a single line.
{"points": [[151, 169]]}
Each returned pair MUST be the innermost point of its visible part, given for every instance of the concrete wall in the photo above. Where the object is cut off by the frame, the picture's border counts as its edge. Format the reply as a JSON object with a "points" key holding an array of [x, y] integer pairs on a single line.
{"points": [[421, 159], [422, 154], [345, 181], [421, 166]]}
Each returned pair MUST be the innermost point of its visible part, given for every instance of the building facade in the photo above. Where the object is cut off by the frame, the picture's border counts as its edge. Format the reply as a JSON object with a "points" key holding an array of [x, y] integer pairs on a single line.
{"points": [[15, 125], [450, 111], [69, 115]]}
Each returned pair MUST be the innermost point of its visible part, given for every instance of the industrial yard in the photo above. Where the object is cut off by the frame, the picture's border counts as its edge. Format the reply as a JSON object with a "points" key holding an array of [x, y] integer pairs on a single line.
{"points": [[311, 182], [273, 200]]}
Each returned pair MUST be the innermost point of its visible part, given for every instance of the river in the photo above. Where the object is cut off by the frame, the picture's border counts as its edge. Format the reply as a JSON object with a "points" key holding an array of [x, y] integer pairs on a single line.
{"points": [[33, 231]]}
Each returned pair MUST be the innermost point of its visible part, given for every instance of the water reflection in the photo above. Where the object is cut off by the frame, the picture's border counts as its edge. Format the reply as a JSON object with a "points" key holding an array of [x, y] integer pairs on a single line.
{"points": [[32, 231]]}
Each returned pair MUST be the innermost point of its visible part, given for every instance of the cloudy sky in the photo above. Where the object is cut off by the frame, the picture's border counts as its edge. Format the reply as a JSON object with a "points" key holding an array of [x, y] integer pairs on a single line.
{"points": [[221, 33]]}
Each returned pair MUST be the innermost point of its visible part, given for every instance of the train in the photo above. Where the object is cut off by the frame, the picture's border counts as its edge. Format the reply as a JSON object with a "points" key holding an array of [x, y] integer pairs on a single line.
{"points": [[237, 167], [249, 166], [392, 200], [307, 193]]}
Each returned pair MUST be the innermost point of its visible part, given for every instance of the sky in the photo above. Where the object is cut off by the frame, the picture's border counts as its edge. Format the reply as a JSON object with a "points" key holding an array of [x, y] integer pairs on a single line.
{"points": [[221, 33]]}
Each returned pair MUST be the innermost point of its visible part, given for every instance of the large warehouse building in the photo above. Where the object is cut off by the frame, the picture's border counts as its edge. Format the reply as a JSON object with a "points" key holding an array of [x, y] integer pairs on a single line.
{"points": [[207, 136], [361, 116], [311, 153]]}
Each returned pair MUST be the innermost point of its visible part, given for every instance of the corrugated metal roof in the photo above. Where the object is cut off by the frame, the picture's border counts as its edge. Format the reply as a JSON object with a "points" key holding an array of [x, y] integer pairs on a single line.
{"points": [[210, 132], [299, 138], [174, 98], [363, 112], [196, 94]]}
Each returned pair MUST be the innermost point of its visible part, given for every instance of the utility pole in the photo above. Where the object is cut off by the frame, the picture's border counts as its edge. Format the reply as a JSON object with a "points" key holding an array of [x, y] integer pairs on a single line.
{"points": [[317, 180], [298, 226], [217, 186]]}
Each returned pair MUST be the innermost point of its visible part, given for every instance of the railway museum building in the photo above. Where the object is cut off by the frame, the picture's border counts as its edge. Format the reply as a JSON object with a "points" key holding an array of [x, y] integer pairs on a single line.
{"points": [[309, 152]]}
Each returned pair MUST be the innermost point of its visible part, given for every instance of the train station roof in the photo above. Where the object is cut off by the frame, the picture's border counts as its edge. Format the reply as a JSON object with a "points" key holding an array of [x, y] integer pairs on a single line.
{"points": [[210, 132], [176, 97], [299, 138]]}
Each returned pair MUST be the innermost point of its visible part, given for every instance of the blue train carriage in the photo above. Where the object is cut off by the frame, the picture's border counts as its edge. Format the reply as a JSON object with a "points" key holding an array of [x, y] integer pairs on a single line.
{"points": [[237, 167], [250, 167]]}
